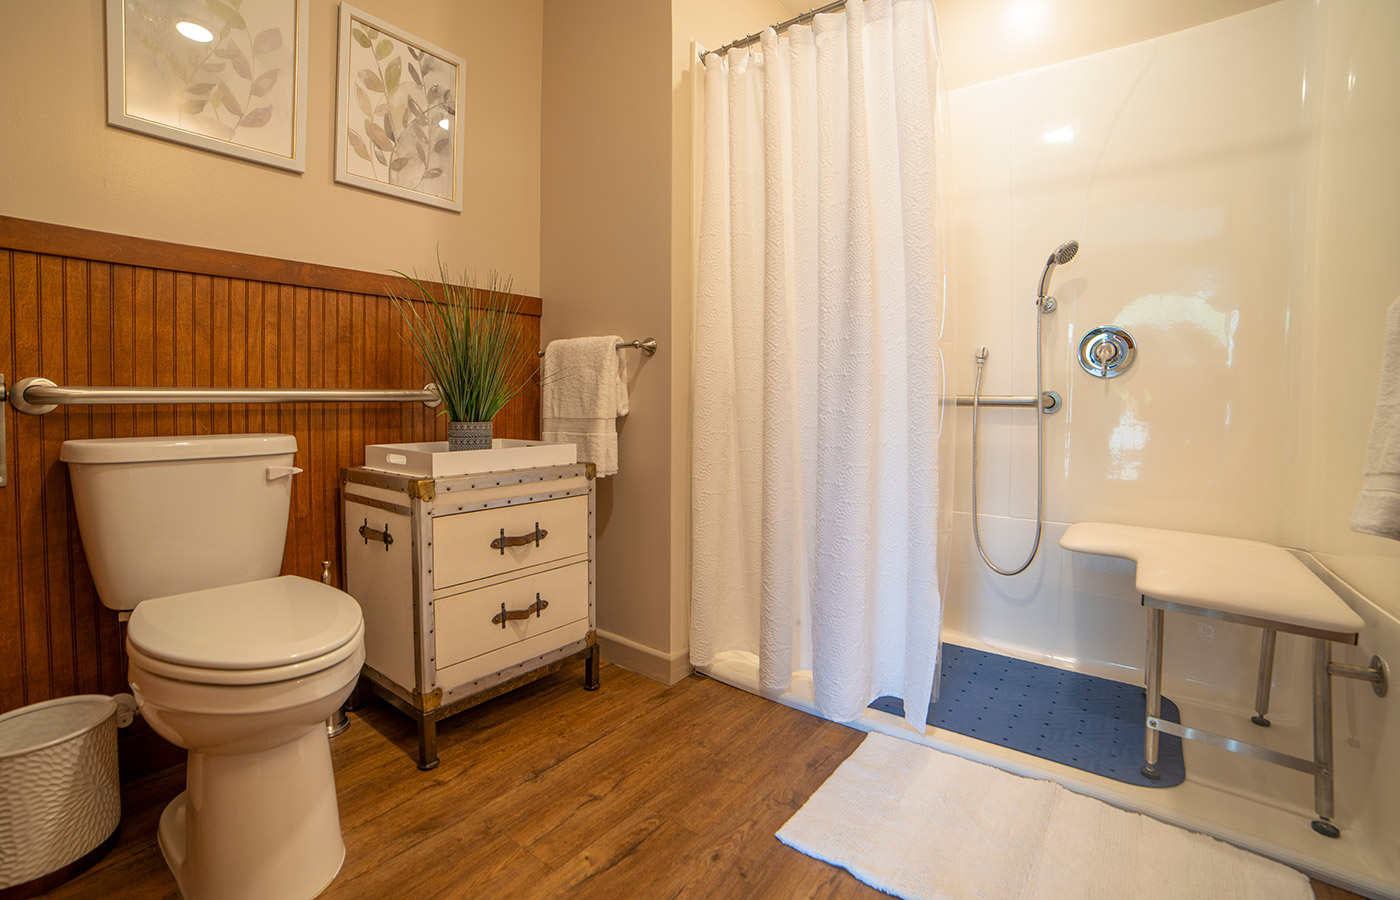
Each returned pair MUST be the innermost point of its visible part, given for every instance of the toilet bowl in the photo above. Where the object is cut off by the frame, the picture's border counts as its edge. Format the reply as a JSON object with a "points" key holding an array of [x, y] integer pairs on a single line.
{"points": [[238, 666], [258, 817]]}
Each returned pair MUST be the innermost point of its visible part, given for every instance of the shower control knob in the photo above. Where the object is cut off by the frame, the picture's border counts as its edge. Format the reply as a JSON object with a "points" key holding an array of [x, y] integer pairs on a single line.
{"points": [[1107, 351]]}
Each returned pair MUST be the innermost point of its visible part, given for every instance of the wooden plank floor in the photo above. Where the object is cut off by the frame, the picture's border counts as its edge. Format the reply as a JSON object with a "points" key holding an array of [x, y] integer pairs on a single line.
{"points": [[636, 791]]}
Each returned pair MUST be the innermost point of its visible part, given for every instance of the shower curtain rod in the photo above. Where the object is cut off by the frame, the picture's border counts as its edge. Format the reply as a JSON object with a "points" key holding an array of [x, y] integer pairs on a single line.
{"points": [[780, 27]]}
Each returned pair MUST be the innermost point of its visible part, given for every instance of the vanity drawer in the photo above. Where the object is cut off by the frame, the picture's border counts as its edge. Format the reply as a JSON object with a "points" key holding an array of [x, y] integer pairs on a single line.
{"points": [[462, 543], [464, 626]]}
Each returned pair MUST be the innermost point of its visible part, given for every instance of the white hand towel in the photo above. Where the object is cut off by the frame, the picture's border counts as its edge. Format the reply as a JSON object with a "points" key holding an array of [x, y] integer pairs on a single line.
{"points": [[584, 387], [1378, 506]]}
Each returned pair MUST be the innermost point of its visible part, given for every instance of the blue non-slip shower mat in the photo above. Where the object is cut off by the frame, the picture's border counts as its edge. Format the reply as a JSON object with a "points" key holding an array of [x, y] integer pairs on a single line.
{"points": [[1070, 718]]}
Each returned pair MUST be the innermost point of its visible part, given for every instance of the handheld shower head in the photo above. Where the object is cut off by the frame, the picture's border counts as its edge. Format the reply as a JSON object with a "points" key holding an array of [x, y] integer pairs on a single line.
{"points": [[1063, 254]]}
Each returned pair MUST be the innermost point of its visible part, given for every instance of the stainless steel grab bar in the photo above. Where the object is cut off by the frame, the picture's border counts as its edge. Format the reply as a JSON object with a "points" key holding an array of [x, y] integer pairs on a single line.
{"points": [[1050, 401], [38, 396]]}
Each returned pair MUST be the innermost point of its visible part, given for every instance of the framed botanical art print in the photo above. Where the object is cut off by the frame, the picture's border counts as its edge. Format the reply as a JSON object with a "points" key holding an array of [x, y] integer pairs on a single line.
{"points": [[398, 128], [223, 75]]}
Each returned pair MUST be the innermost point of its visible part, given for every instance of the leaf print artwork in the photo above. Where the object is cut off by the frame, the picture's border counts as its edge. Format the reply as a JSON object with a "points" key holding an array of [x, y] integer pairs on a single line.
{"points": [[400, 127], [237, 87]]}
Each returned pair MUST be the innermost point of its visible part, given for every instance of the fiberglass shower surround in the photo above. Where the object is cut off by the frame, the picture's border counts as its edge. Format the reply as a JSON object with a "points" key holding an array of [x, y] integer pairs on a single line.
{"points": [[817, 510]]}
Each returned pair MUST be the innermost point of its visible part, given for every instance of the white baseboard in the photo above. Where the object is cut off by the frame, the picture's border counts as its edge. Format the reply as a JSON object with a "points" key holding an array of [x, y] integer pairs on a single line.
{"points": [[667, 668]]}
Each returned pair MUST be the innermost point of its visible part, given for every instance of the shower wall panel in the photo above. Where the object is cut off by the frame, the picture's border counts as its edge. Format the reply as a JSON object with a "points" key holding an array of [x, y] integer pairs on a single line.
{"points": [[1216, 178]]}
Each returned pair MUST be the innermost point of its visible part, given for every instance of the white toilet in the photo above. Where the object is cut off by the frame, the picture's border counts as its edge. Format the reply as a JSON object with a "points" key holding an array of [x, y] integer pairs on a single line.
{"points": [[236, 665]]}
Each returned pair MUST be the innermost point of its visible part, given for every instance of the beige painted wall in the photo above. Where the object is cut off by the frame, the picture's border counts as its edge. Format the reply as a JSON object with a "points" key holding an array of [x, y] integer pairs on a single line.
{"points": [[615, 239], [67, 165], [605, 214]]}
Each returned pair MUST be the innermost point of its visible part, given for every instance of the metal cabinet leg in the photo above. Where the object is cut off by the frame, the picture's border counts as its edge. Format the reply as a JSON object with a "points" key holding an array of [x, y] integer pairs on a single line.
{"points": [[1154, 691], [1266, 678], [427, 742], [1322, 740], [591, 680]]}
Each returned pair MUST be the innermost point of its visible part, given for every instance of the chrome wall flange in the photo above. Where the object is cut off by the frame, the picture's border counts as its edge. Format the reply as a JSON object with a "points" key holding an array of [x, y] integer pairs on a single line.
{"points": [[1050, 402], [436, 401], [34, 409], [1378, 673]]}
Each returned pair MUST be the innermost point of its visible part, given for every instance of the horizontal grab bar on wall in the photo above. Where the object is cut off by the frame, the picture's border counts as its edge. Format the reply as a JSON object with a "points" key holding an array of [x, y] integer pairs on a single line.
{"points": [[37, 396], [1049, 401]]}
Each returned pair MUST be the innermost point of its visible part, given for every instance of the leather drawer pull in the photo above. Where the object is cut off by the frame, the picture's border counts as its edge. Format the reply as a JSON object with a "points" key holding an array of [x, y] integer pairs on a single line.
{"points": [[374, 534], [534, 609], [519, 540]]}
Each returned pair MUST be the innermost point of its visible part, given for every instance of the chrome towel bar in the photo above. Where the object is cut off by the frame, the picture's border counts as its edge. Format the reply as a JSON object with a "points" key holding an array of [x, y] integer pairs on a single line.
{"points": [[38, 396], [646, 345]]}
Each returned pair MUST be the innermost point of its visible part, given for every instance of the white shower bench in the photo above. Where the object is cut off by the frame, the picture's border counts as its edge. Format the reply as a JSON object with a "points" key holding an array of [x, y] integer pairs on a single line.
{"points": [[1241, 581]]}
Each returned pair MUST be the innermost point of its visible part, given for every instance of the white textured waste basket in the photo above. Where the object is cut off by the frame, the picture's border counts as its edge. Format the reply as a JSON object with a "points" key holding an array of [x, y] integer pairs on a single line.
{"points": [[60, 797]]}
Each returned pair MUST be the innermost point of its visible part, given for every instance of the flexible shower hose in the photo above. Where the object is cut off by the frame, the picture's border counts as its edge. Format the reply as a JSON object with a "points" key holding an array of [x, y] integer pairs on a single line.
{"points": [[1039, 456]]}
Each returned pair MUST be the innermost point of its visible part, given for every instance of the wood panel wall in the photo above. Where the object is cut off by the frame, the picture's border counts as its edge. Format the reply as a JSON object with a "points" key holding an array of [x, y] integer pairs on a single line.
{"points": [[84, 308]]}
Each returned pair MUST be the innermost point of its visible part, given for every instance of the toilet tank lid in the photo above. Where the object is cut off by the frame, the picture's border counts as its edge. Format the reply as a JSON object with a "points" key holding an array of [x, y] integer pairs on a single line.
{"points": [[194, 446]]}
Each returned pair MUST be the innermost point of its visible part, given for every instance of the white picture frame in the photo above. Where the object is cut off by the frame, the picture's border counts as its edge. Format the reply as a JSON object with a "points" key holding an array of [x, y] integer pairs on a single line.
{"points": [[398, 113], [228, 77]]}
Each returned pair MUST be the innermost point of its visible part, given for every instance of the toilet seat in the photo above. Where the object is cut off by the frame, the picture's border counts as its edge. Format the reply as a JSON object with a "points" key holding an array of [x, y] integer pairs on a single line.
{"points": [[257, 632], [266, 675]]}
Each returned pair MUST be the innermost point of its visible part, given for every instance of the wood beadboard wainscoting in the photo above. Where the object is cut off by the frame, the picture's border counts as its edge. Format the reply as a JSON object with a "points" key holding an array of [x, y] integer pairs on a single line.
{"points": [[85, 308]]}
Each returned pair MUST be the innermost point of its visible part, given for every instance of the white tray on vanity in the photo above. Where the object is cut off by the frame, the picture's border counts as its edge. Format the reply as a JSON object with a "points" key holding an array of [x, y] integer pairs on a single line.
{"points": [[432, 459]]}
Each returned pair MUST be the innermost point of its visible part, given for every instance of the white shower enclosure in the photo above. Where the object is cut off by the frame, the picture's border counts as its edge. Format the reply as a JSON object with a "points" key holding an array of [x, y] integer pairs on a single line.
{"points": [[1234, 188]]}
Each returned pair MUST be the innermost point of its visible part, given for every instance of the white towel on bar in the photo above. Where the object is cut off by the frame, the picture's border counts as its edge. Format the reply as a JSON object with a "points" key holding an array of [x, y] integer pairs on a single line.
{"points": [[1378, 505], [584, 387]]}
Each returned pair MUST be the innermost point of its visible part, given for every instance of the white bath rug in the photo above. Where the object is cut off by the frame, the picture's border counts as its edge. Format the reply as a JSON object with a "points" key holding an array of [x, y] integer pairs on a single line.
{"points": [[925, 825]]}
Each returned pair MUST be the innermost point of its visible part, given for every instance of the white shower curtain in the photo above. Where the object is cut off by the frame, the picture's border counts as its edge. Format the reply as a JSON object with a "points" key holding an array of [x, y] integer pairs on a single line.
{"points": [[818, 380]]}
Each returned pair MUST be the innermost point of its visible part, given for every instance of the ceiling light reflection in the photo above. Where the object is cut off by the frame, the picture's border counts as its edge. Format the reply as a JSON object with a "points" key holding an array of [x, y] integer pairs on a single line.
{"points": [[195, 32], [1024, 18]]}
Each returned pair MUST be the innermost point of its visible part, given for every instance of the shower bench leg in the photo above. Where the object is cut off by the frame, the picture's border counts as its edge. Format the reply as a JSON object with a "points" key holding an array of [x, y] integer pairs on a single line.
{"points": [[1266, 678], [1320, 767], [1322, 740], [1154, 690]]}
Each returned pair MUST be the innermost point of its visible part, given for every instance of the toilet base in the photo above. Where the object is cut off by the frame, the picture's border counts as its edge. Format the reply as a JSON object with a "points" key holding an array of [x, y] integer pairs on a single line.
{"points": [[256, 826]]}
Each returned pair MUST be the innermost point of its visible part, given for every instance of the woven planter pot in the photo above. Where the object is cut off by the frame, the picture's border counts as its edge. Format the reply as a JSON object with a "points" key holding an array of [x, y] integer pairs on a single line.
{"points": [[468, 435]]}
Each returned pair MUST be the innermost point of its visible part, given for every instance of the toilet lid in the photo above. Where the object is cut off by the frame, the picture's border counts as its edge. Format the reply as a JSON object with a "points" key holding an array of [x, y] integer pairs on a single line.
{"points": [[254, 625]]}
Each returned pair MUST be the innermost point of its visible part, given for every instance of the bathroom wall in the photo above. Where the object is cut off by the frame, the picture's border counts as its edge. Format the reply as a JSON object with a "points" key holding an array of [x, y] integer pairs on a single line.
{"points": [[82, 307], [1233, 205], [604, 246], [615, 244], [64, 164]]}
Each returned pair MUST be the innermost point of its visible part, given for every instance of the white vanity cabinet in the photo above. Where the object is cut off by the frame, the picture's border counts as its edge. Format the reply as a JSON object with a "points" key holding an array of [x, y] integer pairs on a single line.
{"points": [[470, 585]]}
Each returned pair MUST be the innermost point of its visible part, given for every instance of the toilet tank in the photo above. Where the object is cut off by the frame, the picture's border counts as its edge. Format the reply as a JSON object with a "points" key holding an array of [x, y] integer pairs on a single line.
{"points": [[169, 515]]}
